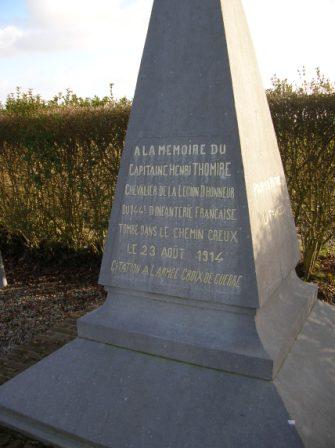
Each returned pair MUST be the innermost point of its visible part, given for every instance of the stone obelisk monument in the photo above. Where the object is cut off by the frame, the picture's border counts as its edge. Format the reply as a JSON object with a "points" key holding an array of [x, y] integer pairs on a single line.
{"points": [[201, 228], [196, 343]]}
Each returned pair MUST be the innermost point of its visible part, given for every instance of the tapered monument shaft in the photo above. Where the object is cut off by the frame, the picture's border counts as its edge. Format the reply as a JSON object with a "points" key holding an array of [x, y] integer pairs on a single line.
{"points": [[201, 228]]}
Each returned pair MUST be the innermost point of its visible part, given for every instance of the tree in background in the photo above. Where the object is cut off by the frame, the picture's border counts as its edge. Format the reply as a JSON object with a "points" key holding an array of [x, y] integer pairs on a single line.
{"points": [[304, 118]]}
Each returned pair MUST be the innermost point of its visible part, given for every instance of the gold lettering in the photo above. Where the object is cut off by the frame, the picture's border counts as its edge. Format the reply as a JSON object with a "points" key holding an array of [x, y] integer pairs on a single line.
{"points": [[187, 233], [219, 169], [174, 252], [170, 212], [224, 214], [223, 236], [128, 229]]}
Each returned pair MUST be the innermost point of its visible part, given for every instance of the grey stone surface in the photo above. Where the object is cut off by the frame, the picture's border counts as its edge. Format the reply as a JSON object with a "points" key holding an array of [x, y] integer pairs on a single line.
{"points": [[307, 379], [90, 394], [244, 343], [202, 243], [199, 89]]}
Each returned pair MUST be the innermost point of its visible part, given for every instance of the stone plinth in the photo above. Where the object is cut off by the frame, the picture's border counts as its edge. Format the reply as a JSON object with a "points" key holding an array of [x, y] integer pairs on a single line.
{"points": [[91, 394], [195, 346]]}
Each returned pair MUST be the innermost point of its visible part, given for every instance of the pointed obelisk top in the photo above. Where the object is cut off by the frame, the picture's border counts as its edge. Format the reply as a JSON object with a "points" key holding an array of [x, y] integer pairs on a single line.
{"points": [[202, 209], [200, 258]]}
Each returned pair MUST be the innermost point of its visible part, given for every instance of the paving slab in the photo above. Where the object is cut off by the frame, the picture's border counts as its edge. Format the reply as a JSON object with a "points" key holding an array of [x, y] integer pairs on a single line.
{"points": [[90, 394]]}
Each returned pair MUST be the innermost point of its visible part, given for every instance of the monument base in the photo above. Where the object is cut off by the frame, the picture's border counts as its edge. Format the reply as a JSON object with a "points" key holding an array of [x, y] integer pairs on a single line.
{"points": [[90, 394], [232, 339]]}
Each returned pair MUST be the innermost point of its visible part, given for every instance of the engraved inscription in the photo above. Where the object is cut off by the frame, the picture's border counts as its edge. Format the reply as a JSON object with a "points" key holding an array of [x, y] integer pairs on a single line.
{"points": [[180, 220]]}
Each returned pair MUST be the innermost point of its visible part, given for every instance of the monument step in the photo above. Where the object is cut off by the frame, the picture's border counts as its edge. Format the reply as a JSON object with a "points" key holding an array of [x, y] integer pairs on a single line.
{"points": [[89, 395], [252, 344]]}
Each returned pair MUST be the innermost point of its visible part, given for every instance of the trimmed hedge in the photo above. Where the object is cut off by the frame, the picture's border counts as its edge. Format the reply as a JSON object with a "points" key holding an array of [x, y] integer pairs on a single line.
{"points": [[305, 127], [59, 165], [58, 170]]}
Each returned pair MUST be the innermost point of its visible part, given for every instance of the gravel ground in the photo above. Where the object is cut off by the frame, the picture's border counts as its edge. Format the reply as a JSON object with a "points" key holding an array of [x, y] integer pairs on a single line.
{"points": [[326, 279], [41, 293], [38, 296], [26, 312]]}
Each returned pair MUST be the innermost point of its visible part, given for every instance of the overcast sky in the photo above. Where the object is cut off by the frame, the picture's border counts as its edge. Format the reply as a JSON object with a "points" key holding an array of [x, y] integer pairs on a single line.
{"points": [[49, 45]]}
